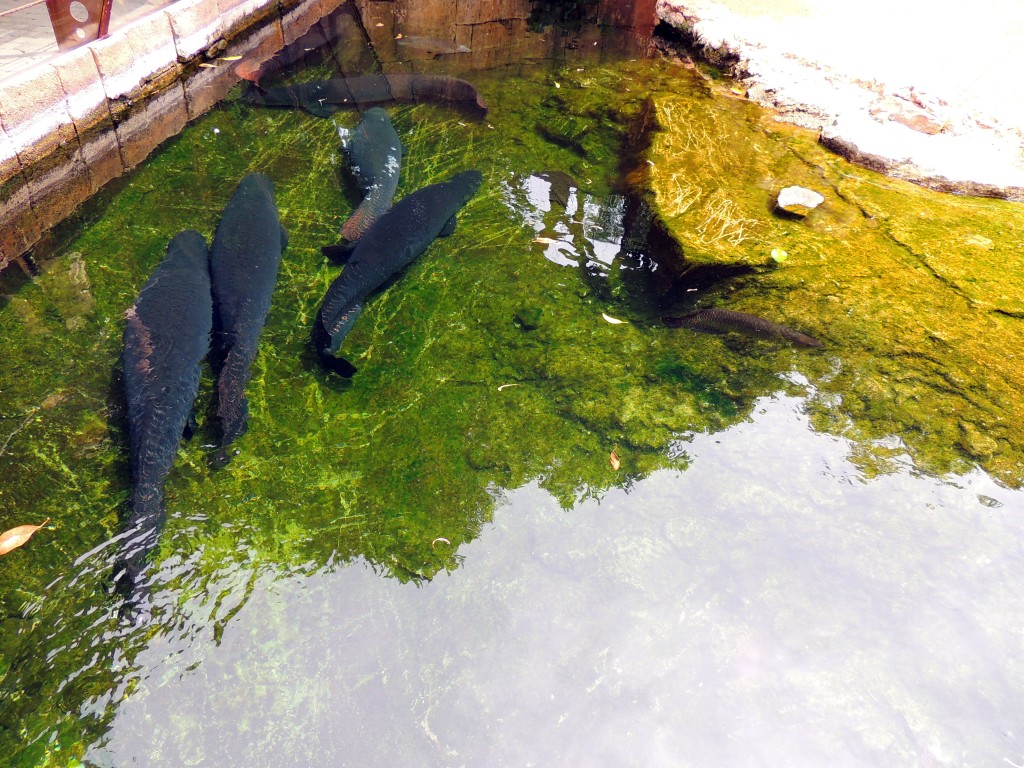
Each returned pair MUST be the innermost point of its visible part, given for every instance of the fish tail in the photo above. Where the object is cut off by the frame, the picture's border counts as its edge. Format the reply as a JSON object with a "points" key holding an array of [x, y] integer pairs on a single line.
{"points": [[232, 405], [336, 364]]}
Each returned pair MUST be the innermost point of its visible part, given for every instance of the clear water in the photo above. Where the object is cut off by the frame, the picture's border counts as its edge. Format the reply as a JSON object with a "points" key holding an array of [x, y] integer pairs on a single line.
{"points": [[435, 563]]}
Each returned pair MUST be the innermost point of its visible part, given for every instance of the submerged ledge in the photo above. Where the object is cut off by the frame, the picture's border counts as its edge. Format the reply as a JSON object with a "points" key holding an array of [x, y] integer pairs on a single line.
{"points": [[883, 84]]}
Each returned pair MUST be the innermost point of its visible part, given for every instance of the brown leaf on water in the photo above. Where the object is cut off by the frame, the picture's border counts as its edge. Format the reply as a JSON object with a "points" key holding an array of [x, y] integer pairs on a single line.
{"points": [[15, 537], [208, 65], [228, 58], [613, 459]]}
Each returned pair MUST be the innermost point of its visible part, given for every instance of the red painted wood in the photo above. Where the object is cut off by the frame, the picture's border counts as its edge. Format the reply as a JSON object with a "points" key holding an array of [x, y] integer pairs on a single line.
{"points": [[92, 22]]}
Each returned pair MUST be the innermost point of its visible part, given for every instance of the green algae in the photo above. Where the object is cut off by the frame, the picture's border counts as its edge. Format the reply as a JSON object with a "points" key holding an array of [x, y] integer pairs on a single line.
{"points": [[399, 466], [916, 294], [457, 398]]}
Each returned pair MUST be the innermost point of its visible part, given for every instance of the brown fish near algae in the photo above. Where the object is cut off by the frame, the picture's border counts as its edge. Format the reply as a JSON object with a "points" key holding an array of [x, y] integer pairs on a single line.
{"points": [[717, 320]]}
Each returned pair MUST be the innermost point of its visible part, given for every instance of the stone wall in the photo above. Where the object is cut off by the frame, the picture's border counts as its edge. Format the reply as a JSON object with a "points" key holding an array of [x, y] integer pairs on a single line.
{"points": [[69, 126]]}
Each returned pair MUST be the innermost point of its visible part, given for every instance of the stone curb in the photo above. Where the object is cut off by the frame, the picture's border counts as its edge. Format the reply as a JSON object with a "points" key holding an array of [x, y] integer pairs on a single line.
{"points": [[143, 81]]}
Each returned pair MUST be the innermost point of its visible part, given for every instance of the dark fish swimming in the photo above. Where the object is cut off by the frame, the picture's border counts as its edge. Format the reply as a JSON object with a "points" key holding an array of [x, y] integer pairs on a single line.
{"points": [[325, 97], [716, 320], [166, 337], [391, 244], [375, 156], [244, 259]]}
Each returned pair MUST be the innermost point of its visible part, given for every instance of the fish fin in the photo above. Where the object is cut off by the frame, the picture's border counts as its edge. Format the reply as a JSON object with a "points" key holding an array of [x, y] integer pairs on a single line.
{"points": [[191, 425], [339, 253], [449, 227], [325, 349], [337, 364], [284, 238]]}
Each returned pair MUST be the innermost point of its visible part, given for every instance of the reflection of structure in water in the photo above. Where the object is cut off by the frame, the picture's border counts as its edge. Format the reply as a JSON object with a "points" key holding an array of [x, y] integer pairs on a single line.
{"points": [[575, 228]]}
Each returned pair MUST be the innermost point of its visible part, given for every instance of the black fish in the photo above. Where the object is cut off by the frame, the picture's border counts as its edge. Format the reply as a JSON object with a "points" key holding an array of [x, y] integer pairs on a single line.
{"points": [[244, 260], [726, 320], [375, 156], [391, 244], [325, 97], [166, 337]]}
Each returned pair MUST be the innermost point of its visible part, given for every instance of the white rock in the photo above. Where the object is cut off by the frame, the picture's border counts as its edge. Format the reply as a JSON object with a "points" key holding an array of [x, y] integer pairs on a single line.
{"points": [[799, 200]]}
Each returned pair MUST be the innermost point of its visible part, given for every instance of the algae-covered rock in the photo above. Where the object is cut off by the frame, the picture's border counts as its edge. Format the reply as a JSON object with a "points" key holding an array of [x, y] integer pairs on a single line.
{"points": [[66, 283], [918, 296], [528, 318]]}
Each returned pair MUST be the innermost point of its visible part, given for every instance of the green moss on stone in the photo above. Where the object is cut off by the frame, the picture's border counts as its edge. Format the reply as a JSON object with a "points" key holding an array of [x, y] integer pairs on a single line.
{"points": [[916, 294]]}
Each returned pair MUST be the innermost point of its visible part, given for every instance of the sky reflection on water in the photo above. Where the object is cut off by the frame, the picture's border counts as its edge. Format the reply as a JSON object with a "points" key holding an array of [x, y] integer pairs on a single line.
{"points": [[768, 606]]}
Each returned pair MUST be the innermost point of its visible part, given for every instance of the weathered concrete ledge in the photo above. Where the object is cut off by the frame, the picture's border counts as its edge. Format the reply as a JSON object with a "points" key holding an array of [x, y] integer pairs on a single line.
{"points": [[887, 85], [70, 125]]}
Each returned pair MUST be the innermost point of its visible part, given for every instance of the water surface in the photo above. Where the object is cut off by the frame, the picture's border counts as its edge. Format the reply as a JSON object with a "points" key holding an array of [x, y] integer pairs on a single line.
{"points": [[435, 562]]}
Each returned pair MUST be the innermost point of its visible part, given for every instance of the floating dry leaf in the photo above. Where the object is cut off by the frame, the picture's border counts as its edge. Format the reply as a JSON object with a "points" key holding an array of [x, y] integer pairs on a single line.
{"points": [[228, 58], [514, 384], [612, 320], [442, 539], [15, 537], [208, 65], [544, 240], [613, 459]]}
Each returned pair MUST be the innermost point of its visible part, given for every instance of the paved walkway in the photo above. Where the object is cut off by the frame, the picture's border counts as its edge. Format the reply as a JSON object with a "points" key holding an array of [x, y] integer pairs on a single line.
{"points": [[26, 37]]}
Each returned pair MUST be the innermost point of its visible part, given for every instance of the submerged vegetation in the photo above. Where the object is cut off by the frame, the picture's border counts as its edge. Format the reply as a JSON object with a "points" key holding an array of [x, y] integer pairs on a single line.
{"points": [[493, 361], [909, 289]]}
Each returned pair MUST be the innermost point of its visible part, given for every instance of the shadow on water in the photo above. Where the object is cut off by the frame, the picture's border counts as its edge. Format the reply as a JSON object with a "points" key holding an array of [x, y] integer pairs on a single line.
{"points": [[508, 369]]}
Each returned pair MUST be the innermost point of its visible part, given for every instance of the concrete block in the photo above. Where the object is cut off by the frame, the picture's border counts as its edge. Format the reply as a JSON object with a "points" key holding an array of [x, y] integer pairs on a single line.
{"points": [[195, 26], [492, 10], [10, 165], [18, 228], [494, 34], [34, 113], [379, 23], [296, 21], [101, 154], [58, 185], [83, 88], [138, 59], [238, 15], [147, 126], [207, 86], [330, 6], [639, 14]]}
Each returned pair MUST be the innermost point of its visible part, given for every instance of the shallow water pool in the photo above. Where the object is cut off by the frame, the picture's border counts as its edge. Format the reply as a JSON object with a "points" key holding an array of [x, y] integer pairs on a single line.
{"points": [[435, 562]]}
